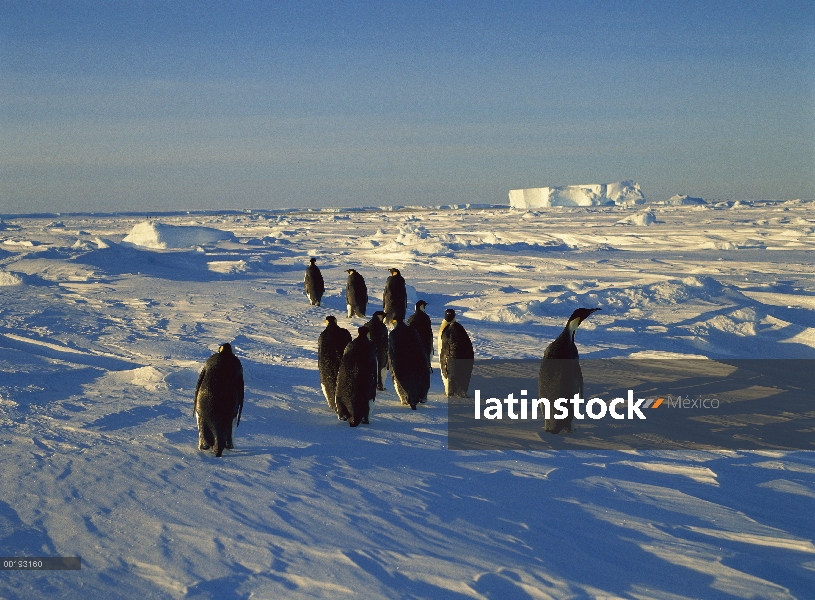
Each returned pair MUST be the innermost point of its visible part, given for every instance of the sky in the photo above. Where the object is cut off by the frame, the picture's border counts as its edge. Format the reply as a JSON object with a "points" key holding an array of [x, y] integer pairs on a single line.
{"points": [[138, 106]]}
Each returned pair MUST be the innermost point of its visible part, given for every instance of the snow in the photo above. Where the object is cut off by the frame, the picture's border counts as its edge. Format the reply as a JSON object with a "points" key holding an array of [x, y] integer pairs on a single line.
{"points": [[683, 200], [593, 194], [642, 219], [163, 236], [105, 322], [9, 279]]}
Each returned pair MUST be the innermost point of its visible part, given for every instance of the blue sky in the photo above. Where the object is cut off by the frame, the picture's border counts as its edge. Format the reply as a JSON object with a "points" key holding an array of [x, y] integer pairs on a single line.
{"points": [[110, 106]]}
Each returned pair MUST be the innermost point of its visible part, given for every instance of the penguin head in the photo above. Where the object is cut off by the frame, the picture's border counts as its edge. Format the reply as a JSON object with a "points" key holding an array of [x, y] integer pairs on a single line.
{"points": [[420, 305], [350, 271], [397, 320], [331, 320], [225, 348], [380, 315], [450, 315], [312, 260], [394, 271], [364, 332], [578, 316]]}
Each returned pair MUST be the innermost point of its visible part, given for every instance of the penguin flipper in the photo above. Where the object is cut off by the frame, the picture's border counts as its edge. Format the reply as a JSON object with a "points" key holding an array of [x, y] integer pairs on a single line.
{"points": [[198, 387]]}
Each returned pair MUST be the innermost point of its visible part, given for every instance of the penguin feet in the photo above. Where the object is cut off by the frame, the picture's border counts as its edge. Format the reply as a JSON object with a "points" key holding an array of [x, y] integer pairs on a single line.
{"points": [[412, 407], [341, 418], [204, 447], [365, 421], [381, 388], [423, 400]]}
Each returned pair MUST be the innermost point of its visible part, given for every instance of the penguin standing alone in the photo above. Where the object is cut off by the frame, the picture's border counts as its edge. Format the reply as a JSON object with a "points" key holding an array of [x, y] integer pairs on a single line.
{"points": [[456, 356], [408, 361], [219, 400], [356, 294], [356, 381], [394, 298], [560, 375], [313, 282], [379, 336], [330, 346]]}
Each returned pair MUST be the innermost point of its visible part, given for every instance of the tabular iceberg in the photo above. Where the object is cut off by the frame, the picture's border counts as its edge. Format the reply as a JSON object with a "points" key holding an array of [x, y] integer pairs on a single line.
{"points": [[592, 194]]}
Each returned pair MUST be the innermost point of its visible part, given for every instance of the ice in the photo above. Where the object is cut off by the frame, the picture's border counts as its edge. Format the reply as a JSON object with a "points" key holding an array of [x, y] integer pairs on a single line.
{"points": [[594, 194], [162, 236], [7, 278], [105, 323], [642, 219]]}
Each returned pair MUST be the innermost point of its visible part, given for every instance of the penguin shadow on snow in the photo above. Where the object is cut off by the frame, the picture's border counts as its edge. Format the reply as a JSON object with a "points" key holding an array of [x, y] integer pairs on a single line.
{"points": [[135, 417]]}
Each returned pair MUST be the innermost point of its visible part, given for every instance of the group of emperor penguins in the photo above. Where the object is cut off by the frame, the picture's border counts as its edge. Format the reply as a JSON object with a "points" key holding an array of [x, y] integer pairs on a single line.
{"points": [[351, 371]]}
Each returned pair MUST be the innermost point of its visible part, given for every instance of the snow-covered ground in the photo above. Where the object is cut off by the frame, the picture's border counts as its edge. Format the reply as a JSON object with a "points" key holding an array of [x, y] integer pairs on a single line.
{"points": [[103, 335]]}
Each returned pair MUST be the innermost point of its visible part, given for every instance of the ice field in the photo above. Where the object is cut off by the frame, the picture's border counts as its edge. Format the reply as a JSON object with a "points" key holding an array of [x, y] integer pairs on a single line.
{"points": [[106, 320]]}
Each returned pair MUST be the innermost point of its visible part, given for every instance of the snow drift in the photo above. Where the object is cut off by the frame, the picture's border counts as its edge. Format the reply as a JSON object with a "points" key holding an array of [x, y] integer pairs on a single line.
{"points": [[592, 194], [162, 237]]}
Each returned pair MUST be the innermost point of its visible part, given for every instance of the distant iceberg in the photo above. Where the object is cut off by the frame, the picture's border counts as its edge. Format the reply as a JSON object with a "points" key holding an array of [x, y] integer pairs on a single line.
{"points": [[592, 194], [684, 200]]}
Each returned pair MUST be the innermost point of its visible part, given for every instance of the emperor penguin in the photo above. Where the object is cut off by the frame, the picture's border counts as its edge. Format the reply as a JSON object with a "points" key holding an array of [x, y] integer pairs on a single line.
{"points": [[408, 362], [356, 380], [394, 298], [219, 400], [421, 323], [560, 375], [356, 294], [455, 356], [330, 346], [379, 336], [313, 282]]}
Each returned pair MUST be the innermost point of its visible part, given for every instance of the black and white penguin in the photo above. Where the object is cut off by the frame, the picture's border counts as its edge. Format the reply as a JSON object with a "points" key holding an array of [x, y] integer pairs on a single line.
{"points": [[313, 282], [394, 298], [356, 294], [219, 400], [560, 375], [455, 356], [356, 381], [408, 363], [421, 323], [330, 346], [379, 336]]}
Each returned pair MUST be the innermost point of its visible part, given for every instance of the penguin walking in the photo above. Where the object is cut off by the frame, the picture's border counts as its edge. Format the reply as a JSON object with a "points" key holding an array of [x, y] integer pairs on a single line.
{"points": [[379, 336], [330, 346], [313, 282], [356, 380], [421, 323], [408, 362], [356, 294], [219, 400], [455, 356], [560, 375], [394, 298]]}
